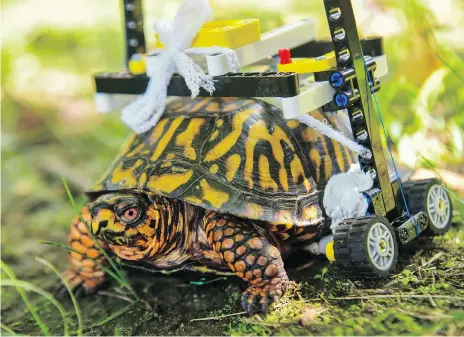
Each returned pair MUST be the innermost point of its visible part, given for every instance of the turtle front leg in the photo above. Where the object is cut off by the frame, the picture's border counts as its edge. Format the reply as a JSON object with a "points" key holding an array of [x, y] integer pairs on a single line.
{"points": [[251, 255], [84, 273]]}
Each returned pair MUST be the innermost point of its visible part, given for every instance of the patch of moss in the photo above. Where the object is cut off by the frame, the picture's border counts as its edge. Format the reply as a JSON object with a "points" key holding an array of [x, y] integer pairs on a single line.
{"points": [[433, 269]]}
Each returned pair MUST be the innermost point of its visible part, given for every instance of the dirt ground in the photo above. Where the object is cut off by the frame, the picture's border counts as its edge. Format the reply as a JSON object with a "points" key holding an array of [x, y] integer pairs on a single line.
{"points": [[425, 296]]}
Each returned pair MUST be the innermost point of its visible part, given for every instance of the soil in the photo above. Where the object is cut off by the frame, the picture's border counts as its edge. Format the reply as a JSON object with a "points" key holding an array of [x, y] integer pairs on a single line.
{"points": [[171, 302]]}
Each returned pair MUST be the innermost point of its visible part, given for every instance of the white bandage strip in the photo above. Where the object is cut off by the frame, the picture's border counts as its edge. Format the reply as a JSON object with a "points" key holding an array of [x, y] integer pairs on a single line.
{"points": [[144, 112], [328, 131], [343, 195]]}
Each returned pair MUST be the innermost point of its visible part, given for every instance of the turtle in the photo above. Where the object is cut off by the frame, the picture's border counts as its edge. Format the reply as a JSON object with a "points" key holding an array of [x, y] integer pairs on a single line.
{"points": [[222, 185]]}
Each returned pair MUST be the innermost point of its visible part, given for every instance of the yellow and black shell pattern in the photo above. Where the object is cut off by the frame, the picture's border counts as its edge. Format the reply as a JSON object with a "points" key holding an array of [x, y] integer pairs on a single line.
{"points": [[232, 155]]}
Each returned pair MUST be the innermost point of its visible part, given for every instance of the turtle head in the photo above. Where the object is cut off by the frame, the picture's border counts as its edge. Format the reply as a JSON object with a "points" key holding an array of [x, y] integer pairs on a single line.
{"points": [[125, 218]]}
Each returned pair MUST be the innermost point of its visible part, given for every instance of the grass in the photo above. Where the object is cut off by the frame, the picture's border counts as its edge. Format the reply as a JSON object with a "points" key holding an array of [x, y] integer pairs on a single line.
{"points": [[77, 309], [120, 274], [23, 285], [20, 290], [7, 329], [426, 296], [30, 287], [113, 316], [20, 285], [110, 272]]}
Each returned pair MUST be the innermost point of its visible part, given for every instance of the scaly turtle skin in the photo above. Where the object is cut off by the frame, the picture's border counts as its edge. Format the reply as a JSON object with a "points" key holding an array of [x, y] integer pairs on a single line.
{"points": [[217, 185]]}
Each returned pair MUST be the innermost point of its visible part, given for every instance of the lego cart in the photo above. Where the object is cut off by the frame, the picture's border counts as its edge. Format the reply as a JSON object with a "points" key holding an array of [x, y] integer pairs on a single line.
{"points": [[341, 76]]}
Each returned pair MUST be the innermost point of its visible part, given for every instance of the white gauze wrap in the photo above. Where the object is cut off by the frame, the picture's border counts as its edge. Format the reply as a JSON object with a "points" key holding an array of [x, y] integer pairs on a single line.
{"points": [[328, 131], [343, 196], [144, 112]]}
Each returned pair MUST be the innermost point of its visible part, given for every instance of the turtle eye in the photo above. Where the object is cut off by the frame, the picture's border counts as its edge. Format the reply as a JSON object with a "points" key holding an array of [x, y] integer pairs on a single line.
{"points": [[130, 215]]}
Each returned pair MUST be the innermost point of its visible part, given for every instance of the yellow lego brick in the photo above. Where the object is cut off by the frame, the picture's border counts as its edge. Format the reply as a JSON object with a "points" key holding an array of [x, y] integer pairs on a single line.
{"points": [[329, 251], [228, 33], [138, 66], [310, 65]]}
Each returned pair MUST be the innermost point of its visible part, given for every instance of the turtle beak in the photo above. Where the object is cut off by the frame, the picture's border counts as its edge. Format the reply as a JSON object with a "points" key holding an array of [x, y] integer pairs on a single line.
{"points": [[104, 224]]}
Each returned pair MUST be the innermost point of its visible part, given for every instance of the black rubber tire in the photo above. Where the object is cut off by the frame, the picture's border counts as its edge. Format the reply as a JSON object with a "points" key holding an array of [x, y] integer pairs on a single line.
{"points": [[416, 193], [350, 247]]}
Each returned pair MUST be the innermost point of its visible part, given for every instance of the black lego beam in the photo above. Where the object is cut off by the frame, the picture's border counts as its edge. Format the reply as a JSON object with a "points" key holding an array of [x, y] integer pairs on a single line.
{"points": [[372, 46], [133, 27], [269, 84]]}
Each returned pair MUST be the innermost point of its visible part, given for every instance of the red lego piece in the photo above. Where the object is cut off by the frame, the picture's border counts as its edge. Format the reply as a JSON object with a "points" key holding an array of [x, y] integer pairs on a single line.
{"points": [[285, 56]]}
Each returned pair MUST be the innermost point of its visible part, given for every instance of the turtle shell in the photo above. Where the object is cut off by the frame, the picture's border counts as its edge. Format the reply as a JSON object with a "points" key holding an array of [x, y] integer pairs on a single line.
{"points": [[232, 155]]}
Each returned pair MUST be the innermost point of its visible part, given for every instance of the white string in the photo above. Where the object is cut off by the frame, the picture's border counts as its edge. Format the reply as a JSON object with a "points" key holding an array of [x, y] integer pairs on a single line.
{"points": [[144, 112], [328, 131]]}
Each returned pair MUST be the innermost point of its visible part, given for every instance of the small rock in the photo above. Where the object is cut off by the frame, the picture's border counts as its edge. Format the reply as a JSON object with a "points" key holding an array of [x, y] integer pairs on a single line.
{"points": [[307, 315]]}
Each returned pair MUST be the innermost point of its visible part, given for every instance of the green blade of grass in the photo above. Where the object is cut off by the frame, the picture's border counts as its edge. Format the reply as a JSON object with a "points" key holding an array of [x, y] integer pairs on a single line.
{"points": [[24, 297], [89, 230], [23, 285], [113, 316], [105, 269], [7, 329], [77, 309], [97, 243], [432, 330]]}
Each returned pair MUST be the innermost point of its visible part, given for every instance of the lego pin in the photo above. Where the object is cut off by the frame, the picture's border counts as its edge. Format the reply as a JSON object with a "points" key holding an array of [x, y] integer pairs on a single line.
{"points": [[285, 56]]}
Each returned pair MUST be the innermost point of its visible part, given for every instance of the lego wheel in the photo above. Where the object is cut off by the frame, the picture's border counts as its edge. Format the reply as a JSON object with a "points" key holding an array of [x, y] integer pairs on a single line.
{"points": [[366, 246], [431, 197]]}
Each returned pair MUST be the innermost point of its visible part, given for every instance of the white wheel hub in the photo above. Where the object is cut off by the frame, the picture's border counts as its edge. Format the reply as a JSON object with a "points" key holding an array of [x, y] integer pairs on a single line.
{"points": [[381, 247], [438, 206]]}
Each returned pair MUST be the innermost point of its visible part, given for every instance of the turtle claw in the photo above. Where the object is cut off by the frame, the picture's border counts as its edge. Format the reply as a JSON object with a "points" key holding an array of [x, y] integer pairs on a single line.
{"points": [[248, 304], [61, 291], [80, 286], [256, 299], [264, 306]]}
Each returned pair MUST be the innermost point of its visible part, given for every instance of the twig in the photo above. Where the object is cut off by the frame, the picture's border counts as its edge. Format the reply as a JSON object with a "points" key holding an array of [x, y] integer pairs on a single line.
{"points": [[419, 253], [429, 268], [398, 296], [432, 302], [421, 316], [321, 296], [353, 287], [391, 283], [271, 324], [460, 274], [217, 317], [306, 265], [124, 298], [113, 316], [435, 257]]}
